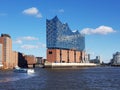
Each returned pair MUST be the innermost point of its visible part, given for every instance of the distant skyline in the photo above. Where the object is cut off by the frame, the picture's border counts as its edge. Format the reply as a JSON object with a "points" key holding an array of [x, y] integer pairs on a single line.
{"points": [[25, 22]]}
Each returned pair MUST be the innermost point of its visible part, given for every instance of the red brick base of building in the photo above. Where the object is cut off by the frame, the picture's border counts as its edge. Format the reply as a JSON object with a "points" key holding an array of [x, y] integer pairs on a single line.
{"points": [[64, 56]]}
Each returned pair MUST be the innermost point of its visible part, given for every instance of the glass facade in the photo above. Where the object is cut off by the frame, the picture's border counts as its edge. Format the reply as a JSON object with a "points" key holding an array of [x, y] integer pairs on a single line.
{"points": [[60, 36]]}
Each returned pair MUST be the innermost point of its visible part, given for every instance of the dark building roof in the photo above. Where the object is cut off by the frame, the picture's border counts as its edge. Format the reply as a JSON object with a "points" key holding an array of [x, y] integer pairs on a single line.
{"points": [[5, 35]]}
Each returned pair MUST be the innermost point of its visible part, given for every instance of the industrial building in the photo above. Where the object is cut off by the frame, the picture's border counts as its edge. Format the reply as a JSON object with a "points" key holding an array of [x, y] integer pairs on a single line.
{"points": [[97, 60], [63, 44], [40, 60], [116, 59], [31, 60]]}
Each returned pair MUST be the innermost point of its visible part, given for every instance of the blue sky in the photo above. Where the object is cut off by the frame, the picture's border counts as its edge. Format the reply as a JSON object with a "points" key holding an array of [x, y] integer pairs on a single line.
{"points": [[25, 21]]}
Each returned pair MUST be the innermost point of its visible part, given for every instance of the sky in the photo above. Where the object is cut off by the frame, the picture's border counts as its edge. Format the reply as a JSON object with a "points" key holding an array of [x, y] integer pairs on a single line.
{"points": [[25, 22]]}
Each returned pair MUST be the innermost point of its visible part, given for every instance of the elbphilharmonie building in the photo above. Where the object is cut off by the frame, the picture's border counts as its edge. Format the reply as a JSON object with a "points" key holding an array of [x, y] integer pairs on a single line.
{"points": [[63, 44]]}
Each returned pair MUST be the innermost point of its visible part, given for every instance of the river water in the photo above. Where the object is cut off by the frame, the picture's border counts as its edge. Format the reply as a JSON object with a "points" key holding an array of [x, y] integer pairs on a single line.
{"points": [[87, 78]]}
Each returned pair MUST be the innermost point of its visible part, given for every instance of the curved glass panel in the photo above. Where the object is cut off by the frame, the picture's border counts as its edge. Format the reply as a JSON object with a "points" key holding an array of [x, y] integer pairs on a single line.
{"points": [[60, 36]]}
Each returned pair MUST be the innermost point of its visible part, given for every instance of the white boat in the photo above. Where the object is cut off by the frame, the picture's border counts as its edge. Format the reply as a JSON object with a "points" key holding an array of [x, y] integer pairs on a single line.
{"points": [[23, 70], [30, 71]]}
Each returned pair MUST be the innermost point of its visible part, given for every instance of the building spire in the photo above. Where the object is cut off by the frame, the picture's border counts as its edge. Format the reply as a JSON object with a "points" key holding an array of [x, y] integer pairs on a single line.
{"points": [[55, 18]]}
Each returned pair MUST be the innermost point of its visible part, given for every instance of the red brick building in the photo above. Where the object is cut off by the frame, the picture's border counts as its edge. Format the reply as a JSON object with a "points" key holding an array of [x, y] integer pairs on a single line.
{"points": [[31, 60], [6, 42], [65, 56]]}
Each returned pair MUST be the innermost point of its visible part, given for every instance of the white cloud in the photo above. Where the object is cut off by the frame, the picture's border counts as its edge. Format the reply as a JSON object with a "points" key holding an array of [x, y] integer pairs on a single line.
{"points": [[100, 30], [33, 11], [41, 45], [29, 38], [39, 15], [28, 47], [61, 11], [20, 40], [3, 14]]}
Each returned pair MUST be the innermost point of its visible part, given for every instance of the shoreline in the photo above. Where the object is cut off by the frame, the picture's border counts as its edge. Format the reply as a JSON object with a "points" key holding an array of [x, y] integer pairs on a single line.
{"points": [[69, 65]]}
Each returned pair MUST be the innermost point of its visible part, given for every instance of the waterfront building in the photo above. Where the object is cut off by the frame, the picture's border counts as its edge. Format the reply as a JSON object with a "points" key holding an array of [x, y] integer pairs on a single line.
{"points": [[63, 44], [96, 60], [22, 62], [15, 58], [116, 59], [6, 41], [1, 65], [39, 60], [8, 58], [31, 60]]}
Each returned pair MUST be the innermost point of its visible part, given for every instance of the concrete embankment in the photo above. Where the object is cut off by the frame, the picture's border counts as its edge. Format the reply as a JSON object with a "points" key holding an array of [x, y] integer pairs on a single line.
{"points": [[67, 65]]}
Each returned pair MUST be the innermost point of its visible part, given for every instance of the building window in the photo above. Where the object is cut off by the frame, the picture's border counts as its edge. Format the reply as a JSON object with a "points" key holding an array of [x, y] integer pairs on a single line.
{"points": [[50, 52]]}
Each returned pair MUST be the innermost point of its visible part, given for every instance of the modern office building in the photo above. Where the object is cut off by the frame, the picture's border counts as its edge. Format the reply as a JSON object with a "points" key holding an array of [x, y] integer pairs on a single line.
{"points": [[63, 44]]}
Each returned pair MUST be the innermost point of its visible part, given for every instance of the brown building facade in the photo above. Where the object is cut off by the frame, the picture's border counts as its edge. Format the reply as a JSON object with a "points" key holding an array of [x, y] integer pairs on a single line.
{"points": [[8, 59], [15, 58], [1, 65], [6, 42], [64, 56], [30, 59]]}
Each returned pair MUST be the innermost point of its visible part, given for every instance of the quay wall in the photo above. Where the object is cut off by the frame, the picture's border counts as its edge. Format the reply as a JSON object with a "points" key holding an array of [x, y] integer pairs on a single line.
{"points": [[58, 65]]}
